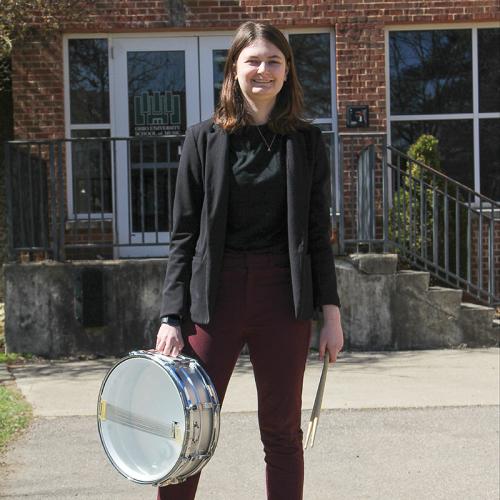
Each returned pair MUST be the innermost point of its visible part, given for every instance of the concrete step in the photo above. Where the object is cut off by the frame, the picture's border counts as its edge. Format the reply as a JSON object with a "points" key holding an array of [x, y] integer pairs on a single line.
{"points": [[417, 281], [447, 299], [375, 263], [478, 323]]}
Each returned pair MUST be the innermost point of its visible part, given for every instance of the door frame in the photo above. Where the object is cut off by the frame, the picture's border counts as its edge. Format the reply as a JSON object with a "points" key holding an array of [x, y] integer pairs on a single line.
{"points": [[120, 127], [206, 45]]}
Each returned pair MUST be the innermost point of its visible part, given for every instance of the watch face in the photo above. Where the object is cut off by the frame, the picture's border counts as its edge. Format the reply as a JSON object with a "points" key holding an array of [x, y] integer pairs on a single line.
{"points": [[172, 321]]}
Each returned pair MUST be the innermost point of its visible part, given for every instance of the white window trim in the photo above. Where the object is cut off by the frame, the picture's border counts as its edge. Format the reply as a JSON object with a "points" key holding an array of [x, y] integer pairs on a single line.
{"points": [[475, 116]]}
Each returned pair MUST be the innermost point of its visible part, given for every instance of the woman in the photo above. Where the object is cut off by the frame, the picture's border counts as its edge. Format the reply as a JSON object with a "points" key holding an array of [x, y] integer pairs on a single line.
{"points": [[250, 256]]}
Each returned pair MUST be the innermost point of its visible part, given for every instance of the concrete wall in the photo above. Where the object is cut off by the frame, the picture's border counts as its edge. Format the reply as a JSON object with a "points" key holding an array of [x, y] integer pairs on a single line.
{"points": [[55, 309], [111, 307]]}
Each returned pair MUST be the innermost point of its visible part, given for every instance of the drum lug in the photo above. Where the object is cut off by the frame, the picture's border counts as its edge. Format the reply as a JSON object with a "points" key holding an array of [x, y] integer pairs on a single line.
{"points": [[197, 456], [208, 406], [204, 406]]}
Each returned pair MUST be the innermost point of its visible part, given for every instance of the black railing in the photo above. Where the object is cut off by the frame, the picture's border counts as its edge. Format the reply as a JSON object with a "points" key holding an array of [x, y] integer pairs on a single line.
{"points": [[94, 197], [90, 197], [391, 202], [107, 197], [442, 226]]}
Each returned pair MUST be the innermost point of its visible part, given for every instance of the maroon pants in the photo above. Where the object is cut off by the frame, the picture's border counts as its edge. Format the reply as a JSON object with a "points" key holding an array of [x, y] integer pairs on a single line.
{"points": [[254, 305]]}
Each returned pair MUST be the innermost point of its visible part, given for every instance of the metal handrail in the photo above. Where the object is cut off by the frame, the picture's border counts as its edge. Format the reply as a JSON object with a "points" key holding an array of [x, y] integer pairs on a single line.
{"points": [[442, 226], [39, 218], [432, 221]]}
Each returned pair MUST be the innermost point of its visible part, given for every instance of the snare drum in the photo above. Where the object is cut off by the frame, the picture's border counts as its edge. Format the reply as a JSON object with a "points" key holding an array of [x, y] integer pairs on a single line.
{"points": [[158, 417]]}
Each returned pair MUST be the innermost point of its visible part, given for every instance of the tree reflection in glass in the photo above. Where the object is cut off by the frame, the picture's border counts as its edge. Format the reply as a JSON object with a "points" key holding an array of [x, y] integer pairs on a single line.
{"points": [[489, 140], [489, 70], [430, 72], [312, 59], [88, 80], [456, 148]]}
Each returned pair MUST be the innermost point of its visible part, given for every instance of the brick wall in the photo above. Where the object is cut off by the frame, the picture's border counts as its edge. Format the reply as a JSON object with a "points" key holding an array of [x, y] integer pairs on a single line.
{"points": [[359, 27], [485, 262]]}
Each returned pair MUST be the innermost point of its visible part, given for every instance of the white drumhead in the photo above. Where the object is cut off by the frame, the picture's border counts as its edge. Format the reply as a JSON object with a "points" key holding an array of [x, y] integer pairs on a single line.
{"points": [[147, 402]]}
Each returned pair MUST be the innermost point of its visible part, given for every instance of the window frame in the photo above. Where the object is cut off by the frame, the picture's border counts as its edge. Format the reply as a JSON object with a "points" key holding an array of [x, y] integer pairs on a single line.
{"points": [[475, 116], [69, 127]]}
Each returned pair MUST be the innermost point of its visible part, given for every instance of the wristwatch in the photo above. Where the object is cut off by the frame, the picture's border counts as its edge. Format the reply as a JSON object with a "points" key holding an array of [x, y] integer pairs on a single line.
{"points": [[171, 320]]}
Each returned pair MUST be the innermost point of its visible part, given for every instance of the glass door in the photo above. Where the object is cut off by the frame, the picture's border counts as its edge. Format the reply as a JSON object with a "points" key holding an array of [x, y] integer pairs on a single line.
{"points": [[156, 94]]}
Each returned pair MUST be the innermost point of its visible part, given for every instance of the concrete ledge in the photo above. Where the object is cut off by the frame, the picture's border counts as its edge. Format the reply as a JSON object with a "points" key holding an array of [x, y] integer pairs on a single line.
{"points": [[375, 263], [111, 307], [57, 309]]}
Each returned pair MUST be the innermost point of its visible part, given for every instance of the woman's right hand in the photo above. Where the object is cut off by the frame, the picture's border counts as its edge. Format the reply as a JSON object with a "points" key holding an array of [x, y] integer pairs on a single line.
{"points": [[169, 340]]}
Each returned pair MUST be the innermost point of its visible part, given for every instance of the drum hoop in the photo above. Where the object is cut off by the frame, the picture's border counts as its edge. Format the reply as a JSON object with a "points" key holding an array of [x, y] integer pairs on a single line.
{"points": [[156, 359], [205, 379], [216, 417]]}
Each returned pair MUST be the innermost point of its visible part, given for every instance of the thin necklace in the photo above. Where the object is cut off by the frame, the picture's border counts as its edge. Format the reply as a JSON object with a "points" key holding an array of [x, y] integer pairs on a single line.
{"points": [[268, 146]]}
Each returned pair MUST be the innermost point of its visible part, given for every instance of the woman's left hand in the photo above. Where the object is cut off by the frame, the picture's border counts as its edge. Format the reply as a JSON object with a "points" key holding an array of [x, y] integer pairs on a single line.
{"points": [[331, 337]]}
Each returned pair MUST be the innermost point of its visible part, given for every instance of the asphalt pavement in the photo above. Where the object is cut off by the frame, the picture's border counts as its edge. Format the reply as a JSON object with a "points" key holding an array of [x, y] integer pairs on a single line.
{"points": [[395, 426]]}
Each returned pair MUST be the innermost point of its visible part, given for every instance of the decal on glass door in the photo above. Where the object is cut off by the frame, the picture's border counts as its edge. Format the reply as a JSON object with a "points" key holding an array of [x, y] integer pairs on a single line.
{"points": [[157, 93]]}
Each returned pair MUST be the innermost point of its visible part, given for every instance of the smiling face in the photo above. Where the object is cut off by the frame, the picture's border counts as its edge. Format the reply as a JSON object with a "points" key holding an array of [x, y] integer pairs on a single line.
{"points": [[261, 70]]}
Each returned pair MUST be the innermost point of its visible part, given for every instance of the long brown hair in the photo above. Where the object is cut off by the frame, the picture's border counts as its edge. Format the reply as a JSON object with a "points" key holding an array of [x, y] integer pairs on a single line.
{"points": [[231, 113]]}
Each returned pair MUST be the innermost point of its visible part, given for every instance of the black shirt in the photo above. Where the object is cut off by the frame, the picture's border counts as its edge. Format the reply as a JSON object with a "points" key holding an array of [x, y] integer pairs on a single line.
{"points": [[257, 192]]}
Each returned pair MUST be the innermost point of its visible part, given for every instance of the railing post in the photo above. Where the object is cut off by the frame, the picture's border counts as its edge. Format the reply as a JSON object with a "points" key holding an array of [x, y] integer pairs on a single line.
{"points": [[480, 250], [61, 201], [341, 201], [446, 229], [115, 197], [53, 204], [435, 224], [385, 196], [469, 242], [491, 258], [458, 236], [11, 254]]}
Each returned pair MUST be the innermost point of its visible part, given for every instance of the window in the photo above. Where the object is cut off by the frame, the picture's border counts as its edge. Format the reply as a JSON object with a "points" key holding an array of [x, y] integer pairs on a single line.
{"points": [[91, 162], [433, 89], [489, 70], [312, 58], [431, 72], [89, 81], [219, 61], [89, 113]]}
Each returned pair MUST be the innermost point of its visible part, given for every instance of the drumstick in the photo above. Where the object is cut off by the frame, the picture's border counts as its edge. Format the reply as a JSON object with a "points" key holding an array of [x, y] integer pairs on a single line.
{"points": [[313, 421]]}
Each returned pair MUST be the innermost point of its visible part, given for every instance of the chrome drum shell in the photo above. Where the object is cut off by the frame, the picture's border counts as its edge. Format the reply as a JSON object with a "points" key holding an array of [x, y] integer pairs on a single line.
{"points": [[158, 417]]}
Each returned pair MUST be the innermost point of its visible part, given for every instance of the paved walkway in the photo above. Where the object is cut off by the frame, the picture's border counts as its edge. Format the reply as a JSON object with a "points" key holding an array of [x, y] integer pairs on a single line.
{"points": [[395, 425]]}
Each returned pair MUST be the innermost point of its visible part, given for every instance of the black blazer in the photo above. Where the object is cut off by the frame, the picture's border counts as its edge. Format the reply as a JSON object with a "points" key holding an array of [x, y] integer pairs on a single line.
{"points": [[200, 216]]}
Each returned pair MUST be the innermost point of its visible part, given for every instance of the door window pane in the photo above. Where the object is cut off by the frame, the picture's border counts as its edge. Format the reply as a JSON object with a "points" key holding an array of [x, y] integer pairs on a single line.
{"points": [[153, 172], [489, 69], [157, 92], [312, 59], [455, 144], [431, 71], [152, 211], [219, 61], [91, 161], [489, 139], [88, 81]]}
